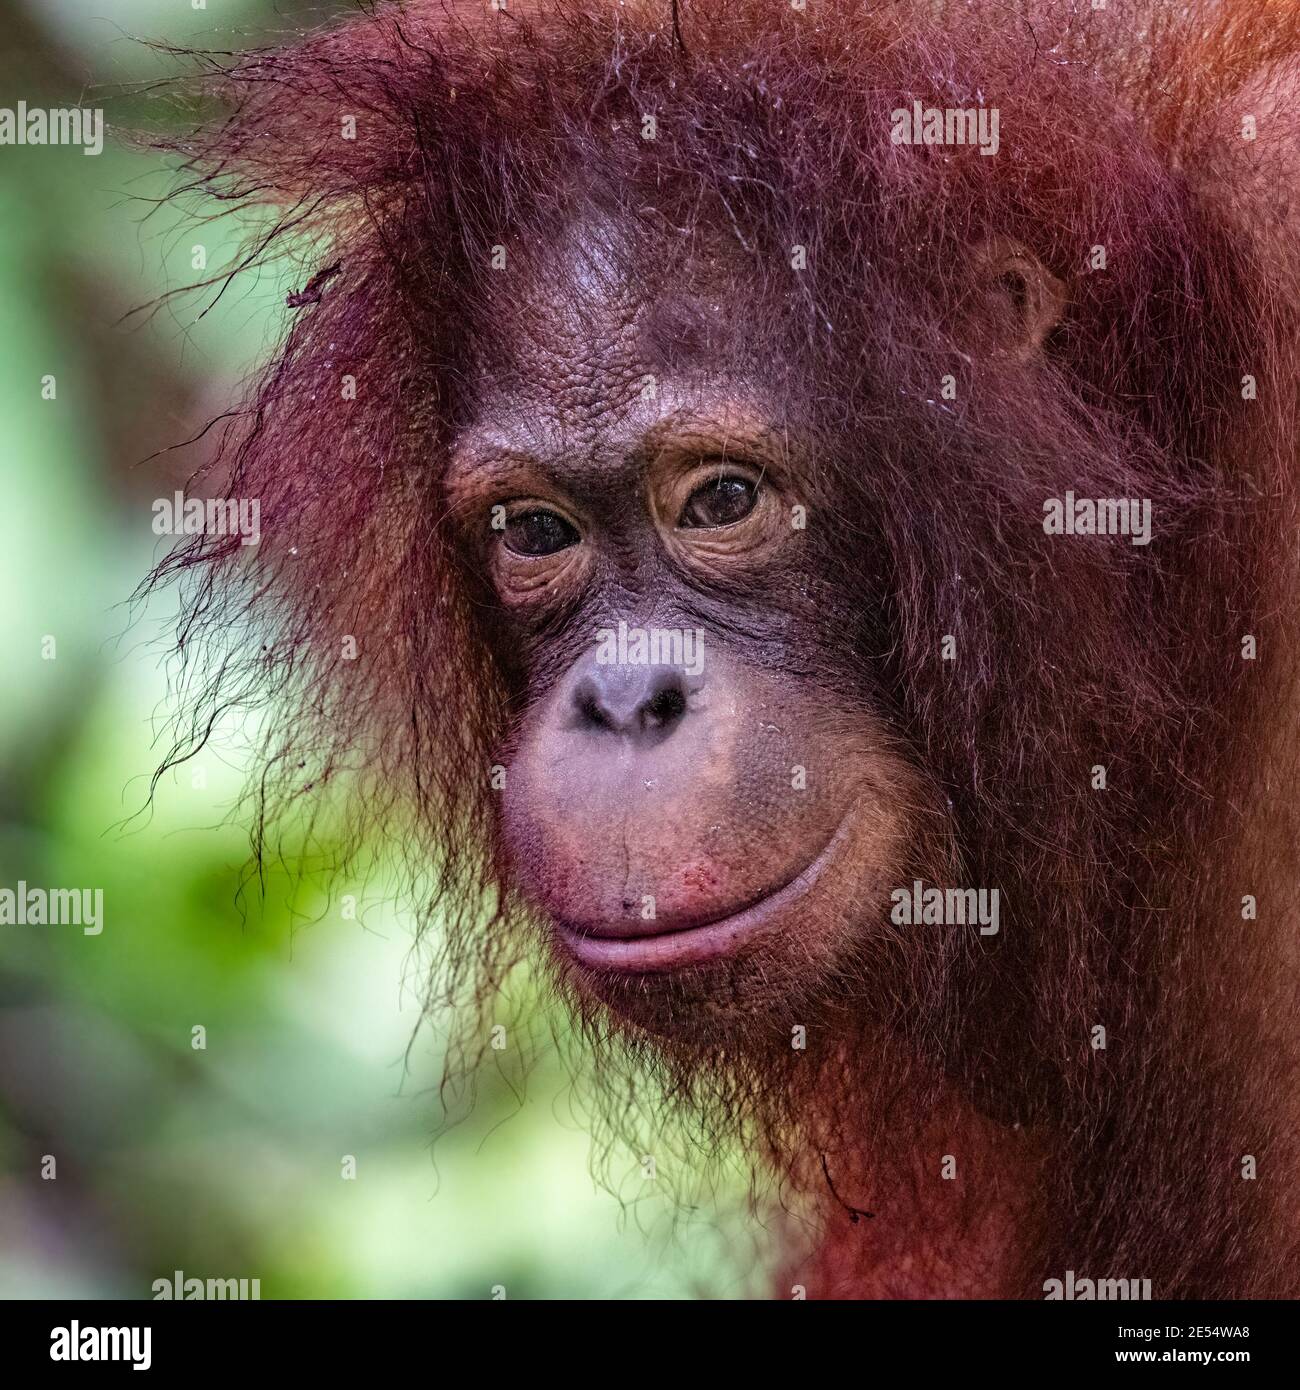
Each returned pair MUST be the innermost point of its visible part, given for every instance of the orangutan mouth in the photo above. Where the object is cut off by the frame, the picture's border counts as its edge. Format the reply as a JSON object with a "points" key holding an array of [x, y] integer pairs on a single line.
{"points": [[623, 949]]}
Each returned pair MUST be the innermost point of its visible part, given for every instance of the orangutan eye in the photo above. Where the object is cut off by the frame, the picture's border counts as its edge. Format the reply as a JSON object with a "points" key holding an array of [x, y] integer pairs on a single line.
{"points": [[539, 532], [722, 501]]}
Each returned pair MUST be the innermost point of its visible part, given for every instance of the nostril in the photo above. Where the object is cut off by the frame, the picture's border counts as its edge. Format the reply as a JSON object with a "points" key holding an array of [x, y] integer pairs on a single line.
{"points": [[591, 713], [630, 701], [666, 707]]}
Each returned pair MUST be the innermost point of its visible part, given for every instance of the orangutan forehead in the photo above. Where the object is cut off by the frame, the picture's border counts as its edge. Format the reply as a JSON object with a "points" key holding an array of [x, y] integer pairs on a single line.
{"points": [[602, 317], [606, 345]]}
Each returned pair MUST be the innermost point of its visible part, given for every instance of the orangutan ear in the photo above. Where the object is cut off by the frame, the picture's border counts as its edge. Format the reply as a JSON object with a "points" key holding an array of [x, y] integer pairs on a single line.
{"points": [[1019, 300]]}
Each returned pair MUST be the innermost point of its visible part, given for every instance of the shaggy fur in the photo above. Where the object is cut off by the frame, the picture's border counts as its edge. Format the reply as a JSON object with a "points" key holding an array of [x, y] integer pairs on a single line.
{"points": [[476, 129]]}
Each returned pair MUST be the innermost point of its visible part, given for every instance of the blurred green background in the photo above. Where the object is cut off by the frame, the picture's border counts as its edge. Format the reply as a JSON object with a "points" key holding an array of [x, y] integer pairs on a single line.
{"points": [[223, 1162]]}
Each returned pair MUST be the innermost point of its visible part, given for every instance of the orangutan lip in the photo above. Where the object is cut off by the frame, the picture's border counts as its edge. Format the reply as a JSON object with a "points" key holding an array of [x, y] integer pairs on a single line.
{"points": [[670, 950]]}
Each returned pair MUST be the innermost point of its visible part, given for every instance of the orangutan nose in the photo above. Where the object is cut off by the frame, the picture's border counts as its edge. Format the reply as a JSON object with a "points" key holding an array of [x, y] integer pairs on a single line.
{"points": [[637, 702]]}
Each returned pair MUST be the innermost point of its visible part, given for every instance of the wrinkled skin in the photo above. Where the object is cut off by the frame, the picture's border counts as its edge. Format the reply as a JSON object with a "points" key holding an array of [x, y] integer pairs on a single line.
{"points": [[705, 835]]}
